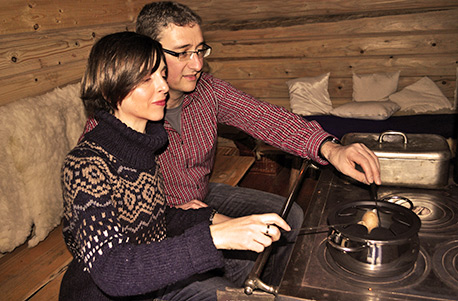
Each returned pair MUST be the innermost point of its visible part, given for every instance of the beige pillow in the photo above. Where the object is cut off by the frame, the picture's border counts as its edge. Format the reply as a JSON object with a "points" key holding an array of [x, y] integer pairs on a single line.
{"points": [[420, 97], [374, 110], [309, 95], [374, 87]]}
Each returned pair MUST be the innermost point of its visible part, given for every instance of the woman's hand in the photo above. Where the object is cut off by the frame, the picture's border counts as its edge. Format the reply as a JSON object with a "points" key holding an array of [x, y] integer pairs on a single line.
{"points": [[254, 232]]}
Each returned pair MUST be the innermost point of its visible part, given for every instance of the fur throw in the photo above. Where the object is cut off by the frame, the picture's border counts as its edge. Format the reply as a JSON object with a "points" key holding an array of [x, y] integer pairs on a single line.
{"points": [[36, 133]]}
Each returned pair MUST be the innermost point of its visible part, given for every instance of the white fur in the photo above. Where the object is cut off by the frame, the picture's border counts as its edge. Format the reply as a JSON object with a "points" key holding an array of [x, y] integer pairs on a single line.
{"points": [[35, 135]]}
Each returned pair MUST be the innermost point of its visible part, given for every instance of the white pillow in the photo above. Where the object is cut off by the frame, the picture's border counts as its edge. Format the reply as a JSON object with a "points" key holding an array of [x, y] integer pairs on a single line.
{"points": [[374, 110], [422, 96], [374, 87], [309, 95]]}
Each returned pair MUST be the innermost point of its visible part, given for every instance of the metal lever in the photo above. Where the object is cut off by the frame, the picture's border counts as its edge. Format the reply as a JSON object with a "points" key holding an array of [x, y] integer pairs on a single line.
{"points": [[253, 281]]}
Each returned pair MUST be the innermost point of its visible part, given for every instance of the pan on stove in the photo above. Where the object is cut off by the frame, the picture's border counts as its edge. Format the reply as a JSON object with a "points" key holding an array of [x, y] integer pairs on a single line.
{"points": [[388, 250]]}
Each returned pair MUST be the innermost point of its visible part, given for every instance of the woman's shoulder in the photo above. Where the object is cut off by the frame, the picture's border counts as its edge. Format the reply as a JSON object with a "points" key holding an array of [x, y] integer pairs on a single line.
{"points": [[87, 152]]}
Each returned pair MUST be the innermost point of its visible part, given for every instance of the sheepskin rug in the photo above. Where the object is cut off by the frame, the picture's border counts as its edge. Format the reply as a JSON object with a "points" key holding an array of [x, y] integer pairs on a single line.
{"points": [[36, 133]]}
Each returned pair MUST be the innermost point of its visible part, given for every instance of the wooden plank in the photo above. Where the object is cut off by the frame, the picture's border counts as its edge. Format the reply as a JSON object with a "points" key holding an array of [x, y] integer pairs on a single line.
{"points": [[419, 65], [218, 11], [29, 52], [230, 169], [338, 87], [21, 16], [39, 81], [51, 290], [35, 16], [423, 21], [26, 270], [343, 46]]}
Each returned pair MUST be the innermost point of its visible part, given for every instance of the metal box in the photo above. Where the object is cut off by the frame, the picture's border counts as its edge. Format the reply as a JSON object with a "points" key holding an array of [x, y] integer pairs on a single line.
{"points": [[412, 160]]}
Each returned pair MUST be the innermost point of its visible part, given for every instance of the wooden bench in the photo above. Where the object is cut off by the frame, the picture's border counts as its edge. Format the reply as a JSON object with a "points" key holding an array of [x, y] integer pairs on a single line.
{"points": [[36, 273]]}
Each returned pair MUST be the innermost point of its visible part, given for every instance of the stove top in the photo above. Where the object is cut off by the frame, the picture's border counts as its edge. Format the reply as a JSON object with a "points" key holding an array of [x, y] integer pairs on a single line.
{"points": [[313, 274]]}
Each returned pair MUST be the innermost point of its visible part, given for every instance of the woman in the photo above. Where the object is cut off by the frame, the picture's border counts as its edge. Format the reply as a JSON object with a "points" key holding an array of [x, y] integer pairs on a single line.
{"points": [[125, 240]]}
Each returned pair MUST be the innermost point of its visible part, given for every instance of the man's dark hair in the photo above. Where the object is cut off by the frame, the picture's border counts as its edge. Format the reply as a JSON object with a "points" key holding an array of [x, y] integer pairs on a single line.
{"points": [[156, 16], [117, 64]]}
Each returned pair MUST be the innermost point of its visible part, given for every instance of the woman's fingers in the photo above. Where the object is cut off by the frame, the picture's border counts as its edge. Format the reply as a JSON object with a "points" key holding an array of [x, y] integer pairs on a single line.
{"points": [[253, 232]]}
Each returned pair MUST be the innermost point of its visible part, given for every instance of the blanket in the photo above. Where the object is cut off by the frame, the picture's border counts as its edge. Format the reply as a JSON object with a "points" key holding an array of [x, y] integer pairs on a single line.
{"points": [[445, 125]]}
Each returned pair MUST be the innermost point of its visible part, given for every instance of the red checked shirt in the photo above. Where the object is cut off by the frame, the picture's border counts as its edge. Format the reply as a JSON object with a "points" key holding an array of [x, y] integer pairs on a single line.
{"points": [[188, 160]]}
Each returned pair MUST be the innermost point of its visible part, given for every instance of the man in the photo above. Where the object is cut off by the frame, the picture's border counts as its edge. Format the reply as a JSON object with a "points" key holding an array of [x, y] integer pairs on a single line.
{"points": [[196, 94], [198, 102]]}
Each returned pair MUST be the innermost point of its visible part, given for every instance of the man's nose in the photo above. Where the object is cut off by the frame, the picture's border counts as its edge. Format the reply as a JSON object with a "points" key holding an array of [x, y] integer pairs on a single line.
{"points": [[195, 62]]}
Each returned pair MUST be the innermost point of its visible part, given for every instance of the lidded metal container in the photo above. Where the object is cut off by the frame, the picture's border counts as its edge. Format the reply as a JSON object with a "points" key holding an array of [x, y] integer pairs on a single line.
{"points": [[412, 160]]}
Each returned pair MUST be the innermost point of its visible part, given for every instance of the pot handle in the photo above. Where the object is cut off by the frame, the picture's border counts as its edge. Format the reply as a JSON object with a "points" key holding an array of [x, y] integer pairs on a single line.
{"points": [[404, 136], [342, 248]]}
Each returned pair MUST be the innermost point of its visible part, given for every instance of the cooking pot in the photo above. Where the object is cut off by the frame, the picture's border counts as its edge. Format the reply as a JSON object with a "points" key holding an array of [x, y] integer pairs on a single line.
{"points": [[387, 250]]}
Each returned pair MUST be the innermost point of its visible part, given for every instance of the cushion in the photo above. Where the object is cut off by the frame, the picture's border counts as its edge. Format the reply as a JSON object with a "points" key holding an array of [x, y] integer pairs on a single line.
{"points": [[375, 110], [374, 87], [422, 96], [309, 95]]}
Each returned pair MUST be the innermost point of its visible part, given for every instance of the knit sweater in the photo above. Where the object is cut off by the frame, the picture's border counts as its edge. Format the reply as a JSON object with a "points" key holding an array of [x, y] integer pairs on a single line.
{"points": [[124, 238]]}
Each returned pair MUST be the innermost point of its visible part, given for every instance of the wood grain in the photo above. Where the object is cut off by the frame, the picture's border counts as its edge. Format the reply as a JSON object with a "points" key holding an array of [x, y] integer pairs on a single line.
{"points": [[28, 270], [256, 45], [230, 169]]}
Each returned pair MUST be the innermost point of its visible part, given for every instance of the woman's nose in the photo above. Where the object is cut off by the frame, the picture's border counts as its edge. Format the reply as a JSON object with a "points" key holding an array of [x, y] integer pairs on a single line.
{"points": [[162, 85]]}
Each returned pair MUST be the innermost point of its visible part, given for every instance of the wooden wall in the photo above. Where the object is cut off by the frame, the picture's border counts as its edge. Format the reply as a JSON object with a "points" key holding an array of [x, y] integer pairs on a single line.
{"points": [[258, 45]]}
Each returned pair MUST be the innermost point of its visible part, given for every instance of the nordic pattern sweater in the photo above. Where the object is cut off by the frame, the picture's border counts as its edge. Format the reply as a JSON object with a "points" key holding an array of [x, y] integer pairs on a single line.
{"points": [[124, 238]]}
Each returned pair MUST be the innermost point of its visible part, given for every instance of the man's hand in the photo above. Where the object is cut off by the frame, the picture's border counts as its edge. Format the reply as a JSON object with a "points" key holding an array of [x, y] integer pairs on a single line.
{"points": [[345, 158], [193, 204]]}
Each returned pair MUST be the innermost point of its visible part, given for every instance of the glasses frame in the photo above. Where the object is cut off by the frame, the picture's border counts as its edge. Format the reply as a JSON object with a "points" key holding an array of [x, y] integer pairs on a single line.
{"points": [[206, 50]]}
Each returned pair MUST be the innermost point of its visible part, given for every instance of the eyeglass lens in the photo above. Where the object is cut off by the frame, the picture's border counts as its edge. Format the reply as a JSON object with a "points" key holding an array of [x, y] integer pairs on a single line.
{"points": [[201, 53]]}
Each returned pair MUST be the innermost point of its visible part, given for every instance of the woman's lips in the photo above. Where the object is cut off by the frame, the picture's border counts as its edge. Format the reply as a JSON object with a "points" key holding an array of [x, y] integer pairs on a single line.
{"points": [[161, 103]]}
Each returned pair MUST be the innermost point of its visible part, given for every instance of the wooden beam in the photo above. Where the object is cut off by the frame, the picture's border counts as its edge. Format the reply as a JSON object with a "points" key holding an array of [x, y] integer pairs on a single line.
{"points": [[419, 65]]}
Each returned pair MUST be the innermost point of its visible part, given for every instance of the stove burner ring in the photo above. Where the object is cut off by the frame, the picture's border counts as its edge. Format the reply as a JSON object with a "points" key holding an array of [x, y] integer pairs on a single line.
{"points": [[418, 273], [445, 263], [436, 213]]}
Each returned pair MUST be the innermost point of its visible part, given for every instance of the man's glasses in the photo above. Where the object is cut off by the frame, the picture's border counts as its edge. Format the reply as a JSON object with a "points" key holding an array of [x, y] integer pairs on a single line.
{"points": [[187, 55]]}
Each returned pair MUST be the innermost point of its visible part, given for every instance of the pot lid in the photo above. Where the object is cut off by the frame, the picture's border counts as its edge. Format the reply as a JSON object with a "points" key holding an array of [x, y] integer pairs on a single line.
{"points": [[397, 222]]}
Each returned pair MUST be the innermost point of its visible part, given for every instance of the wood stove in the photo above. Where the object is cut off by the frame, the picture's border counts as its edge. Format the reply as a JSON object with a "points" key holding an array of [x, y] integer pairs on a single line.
{"points": [[313, 274]]}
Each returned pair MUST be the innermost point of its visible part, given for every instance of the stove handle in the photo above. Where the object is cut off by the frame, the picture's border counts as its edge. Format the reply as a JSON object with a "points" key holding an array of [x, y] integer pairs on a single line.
{"points": [[253, 281]]}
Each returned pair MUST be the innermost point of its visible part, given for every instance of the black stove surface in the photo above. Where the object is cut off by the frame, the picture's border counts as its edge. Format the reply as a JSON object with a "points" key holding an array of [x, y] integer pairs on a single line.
{"points": [[312, 274]]}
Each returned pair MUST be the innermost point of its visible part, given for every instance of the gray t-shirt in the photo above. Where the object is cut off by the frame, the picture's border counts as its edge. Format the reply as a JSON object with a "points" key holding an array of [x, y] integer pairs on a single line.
{"points": [[173, 116]]}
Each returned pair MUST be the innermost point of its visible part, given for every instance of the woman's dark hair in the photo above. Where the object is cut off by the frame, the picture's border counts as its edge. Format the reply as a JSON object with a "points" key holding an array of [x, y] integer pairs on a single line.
{"points": [[154, 17], [117, 64]]}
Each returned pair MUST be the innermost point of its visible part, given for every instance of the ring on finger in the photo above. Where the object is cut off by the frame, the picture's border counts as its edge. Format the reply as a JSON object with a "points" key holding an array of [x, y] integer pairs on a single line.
{"points": [[267, 229]]}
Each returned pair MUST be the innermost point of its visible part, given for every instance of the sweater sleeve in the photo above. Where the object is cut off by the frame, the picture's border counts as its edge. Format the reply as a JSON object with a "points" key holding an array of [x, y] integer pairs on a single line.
{"points": [[178, 219], [267, 122], [117, 265]]}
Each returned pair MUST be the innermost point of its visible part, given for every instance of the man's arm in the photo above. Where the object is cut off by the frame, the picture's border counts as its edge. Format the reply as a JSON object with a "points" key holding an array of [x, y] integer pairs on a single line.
{"points": [[292, 133]]}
